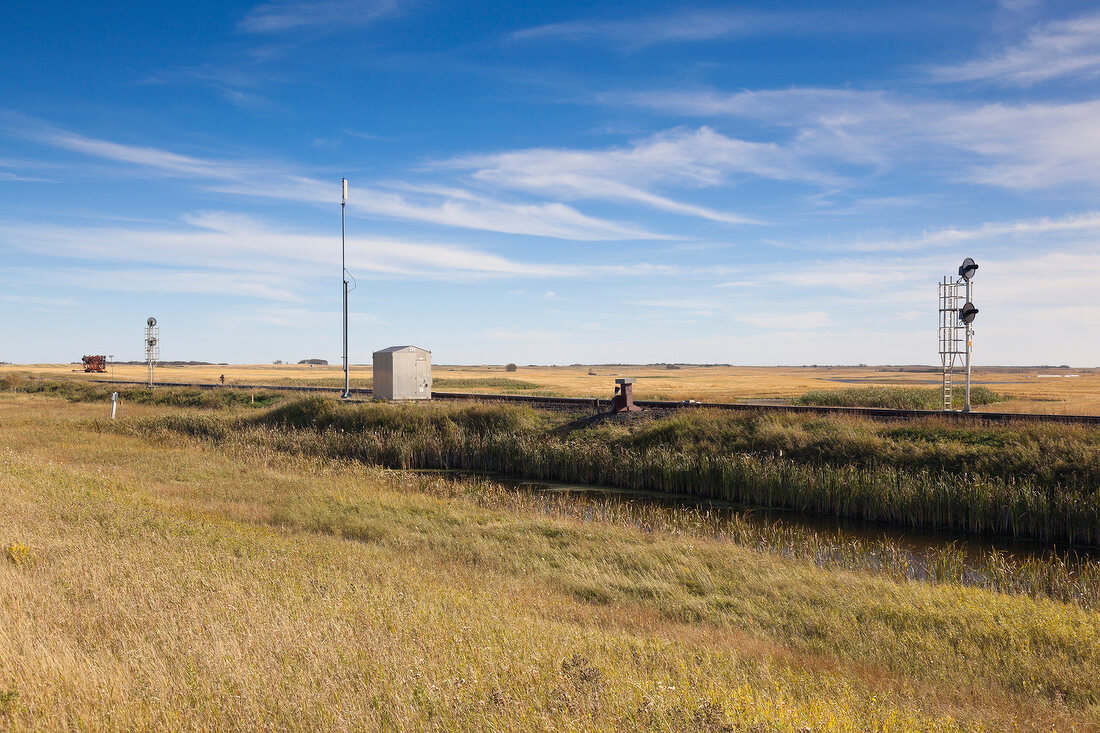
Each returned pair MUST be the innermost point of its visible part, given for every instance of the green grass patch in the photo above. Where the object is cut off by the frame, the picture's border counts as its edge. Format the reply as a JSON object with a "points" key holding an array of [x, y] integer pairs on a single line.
{"points": [[506, 384], [898, 398], [207, 398], [440, 384]]}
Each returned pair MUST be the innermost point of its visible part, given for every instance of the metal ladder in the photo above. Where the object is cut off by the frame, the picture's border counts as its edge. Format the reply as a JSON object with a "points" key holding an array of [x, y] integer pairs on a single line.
{"points": [[951, 345], [947, 389]]}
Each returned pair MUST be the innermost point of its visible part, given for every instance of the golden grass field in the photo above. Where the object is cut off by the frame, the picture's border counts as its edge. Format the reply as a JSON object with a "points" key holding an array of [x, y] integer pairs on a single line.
{"points": [[1030, 392], [175, 585]]}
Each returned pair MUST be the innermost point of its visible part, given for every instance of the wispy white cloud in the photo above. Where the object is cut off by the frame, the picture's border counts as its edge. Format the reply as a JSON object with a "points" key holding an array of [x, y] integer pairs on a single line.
{"points": [[479, 212], [167, 163], [1058, 49], [692, 26], [1020, 146], [1012, 284], [686, 158], [795, 105], [685, 26], [136, 277], [703, 307], [262, 286], [1030, 231], [238, 254], [6, 176], [293, 316], [728, 306], [797, 321], [232, 242], [453, 207], [512, 334], [37, 301], [815, 126], [242, 84], [293, 15], [1026, 146]]}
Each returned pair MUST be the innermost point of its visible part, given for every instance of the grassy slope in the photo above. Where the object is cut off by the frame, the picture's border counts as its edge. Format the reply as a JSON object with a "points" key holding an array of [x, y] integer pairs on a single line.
{"points": [[1028, 481], [1025, 480], [176, 586]]}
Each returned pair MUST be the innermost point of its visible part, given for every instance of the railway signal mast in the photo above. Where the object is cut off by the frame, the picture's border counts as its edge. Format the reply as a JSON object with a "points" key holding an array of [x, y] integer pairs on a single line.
{"points": [[152, 345], [956, 331]]}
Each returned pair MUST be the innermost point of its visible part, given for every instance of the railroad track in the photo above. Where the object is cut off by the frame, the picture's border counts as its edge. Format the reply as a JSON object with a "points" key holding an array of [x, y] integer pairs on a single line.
{"points": [[879, 413]]}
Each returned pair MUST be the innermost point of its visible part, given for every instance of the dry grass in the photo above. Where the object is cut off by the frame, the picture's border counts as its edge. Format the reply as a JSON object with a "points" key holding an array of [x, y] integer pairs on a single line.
{"points": [[1029, 393], [176, 586]]}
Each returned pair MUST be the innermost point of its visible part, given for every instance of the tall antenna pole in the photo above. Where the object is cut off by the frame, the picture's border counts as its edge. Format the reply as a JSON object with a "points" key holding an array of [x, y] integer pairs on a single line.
{"points": [[344, 275]]}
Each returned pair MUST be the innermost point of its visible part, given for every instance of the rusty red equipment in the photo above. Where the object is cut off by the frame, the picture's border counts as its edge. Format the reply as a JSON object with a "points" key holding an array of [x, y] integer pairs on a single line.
{"points": [[95, 363], [623, 401]]}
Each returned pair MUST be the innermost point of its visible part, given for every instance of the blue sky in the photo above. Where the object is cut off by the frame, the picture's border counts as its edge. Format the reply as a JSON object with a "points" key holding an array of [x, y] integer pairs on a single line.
{"points": [[768, 183]]}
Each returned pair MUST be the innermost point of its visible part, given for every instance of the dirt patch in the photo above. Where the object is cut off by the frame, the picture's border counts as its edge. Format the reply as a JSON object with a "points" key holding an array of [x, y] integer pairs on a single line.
{"points": [[633, 420]]}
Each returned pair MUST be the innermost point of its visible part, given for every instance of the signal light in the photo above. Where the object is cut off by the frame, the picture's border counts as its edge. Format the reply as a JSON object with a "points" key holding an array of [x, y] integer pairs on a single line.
{"points": [[967, 313], [966, 270]]}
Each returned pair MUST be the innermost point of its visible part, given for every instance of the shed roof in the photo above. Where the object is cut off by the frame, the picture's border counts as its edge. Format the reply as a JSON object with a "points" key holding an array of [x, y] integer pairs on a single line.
{"points": [[393, 349]]}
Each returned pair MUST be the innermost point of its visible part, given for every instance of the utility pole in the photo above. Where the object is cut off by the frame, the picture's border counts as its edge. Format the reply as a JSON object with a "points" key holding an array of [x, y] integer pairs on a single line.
{"points": [[344, 276]]}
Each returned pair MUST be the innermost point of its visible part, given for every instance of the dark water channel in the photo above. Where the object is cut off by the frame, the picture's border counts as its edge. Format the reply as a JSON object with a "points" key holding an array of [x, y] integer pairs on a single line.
{"points": [[919, 542]]}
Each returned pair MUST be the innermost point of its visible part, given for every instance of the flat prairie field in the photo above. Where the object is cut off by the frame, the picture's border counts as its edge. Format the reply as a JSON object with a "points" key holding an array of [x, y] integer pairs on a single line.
{"points": [[155, 581], [1054, 390]]}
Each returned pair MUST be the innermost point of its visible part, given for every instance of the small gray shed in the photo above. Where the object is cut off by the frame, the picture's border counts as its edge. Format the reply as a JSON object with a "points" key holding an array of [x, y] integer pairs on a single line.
{"points": [[402, 373]]}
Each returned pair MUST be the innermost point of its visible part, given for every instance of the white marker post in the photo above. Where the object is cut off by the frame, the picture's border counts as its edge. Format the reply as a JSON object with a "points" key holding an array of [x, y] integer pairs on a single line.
{"points": [[114, 404]]}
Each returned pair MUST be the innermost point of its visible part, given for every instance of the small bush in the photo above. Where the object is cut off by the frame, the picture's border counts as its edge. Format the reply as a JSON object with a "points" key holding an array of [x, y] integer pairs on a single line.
{"points": [[13, 382], [511, 368], [18, 554]]}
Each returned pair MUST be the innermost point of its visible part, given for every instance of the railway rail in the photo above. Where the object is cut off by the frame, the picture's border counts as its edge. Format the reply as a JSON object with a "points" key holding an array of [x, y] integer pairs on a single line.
{"points": [[879, 413]]}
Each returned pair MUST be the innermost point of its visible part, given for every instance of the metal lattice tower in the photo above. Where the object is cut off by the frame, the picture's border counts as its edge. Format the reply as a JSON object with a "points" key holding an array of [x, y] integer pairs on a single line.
{"points": [[952, 334], [956, 332], [152, 345]]}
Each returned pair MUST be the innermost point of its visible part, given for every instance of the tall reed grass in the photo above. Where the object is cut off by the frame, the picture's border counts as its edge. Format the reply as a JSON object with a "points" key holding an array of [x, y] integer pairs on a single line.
{"points": [[1051, 576], [1053, 506]]}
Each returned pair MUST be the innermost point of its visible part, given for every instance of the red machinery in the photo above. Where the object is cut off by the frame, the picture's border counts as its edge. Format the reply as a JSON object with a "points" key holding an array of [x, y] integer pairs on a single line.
{"points": [[623, 401], [96, 363]]}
